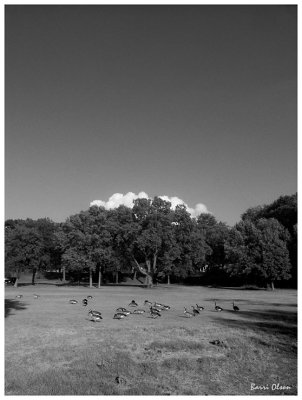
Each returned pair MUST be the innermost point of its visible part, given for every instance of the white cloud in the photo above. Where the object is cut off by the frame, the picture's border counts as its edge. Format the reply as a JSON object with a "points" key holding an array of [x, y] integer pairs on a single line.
{"points": [[127, 199]]}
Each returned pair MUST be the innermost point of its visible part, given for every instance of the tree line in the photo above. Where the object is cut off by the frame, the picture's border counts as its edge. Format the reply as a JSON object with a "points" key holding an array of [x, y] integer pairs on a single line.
{"points": [[160, 244]]}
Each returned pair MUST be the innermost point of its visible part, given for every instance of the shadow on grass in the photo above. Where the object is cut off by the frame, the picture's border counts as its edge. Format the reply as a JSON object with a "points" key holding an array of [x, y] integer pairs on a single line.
{"points": [[37, 284], [11, 305], [239, 301], [107, 285], [267, 321], [249, 287]]}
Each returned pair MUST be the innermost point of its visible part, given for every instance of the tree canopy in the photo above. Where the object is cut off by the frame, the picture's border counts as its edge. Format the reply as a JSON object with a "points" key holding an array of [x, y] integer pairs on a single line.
{"points": [[159, 242]]}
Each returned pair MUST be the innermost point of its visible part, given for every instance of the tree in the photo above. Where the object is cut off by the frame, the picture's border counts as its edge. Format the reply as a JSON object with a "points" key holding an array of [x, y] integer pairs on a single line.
{"points": [[275, 262], [79, 244], [86, 240], [284, 210], [124, 230], [239, 253], [215, 234], [153, 219], [144, 236], [14, 251], [51, 255], [104, 254], [258, 251], [253, 214], [24, 250], [193, 248]]}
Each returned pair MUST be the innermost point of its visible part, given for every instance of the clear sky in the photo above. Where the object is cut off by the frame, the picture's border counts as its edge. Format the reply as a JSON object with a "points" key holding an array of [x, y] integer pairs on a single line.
{"points": [[198, 102]]}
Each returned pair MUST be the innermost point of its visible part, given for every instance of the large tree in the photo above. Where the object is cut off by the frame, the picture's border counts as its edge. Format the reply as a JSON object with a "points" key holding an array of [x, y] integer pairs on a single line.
{"points": [[145, 237], [24, 249], [154, 220], [215, 234], [79, 244], [87, 243], [275, 261], [258, 251], [284, 210], [193, 248], [14, 251]]}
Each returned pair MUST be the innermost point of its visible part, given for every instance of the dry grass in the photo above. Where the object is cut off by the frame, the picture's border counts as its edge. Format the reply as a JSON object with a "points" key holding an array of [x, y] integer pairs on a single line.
{"points": [[53, 349]]}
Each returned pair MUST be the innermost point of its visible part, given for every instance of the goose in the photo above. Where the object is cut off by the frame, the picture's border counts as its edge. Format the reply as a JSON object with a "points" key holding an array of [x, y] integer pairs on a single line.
{"points": [[166, 307], [85, 302], [199, 308], [123, 310], [125, 314], [95, 318], [138, 311], [235, 308], [154, 313], [133, 304], [195, 310], [218, 308], [119, 316], [159, 305], [89, 297], [188, 314], [73, 301], [93, 312], [19, 296], [36, 296], [155, 309], [147, 303]]}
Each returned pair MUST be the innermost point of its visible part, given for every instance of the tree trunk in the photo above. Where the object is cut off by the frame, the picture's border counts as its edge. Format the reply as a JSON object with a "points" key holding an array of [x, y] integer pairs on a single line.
{"points": [[154, 263], [100, 278], [33, 276], [134, 276], [16, 283], [64, 274], [149, 281], [147, 273], [168, 280], [272, 285], [116, 277], [149, 276], [90, 278]]}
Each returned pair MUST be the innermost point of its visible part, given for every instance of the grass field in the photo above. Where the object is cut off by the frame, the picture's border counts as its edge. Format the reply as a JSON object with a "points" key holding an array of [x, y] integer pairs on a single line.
{"points": [[51, 348]]}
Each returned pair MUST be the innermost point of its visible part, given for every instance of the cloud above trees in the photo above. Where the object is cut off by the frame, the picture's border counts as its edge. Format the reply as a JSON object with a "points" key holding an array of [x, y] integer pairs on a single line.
{"points": [[127, 199]]}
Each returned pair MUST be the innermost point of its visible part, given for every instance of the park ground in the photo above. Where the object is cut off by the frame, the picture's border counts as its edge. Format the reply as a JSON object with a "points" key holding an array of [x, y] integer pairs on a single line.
{"points": [[51, 347]]}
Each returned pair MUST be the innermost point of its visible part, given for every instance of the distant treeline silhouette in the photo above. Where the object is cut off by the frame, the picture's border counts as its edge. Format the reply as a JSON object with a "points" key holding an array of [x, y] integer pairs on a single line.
{"points": [[156, 243]]}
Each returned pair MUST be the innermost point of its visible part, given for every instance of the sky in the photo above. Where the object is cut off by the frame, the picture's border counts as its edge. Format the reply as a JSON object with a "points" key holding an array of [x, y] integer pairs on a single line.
{"points": [[196, 103]]}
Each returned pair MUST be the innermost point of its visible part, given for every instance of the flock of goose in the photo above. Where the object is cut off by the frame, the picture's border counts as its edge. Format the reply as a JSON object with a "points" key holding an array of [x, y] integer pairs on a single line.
{"points": [[155, 310], [196, 310]]}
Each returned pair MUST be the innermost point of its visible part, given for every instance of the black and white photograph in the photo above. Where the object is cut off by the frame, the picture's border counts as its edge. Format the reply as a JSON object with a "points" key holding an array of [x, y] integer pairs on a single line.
{"points": [[150, 190]]}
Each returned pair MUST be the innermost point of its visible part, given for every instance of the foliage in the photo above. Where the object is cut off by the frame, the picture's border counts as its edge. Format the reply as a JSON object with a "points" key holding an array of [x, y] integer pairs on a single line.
{"points": [[284, 210], [258, 251], [158, 242], [25, 248]]}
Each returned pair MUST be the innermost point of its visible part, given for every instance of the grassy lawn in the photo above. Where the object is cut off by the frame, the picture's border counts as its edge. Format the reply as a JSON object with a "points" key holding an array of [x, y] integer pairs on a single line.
{"points": [[51, 347]]}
